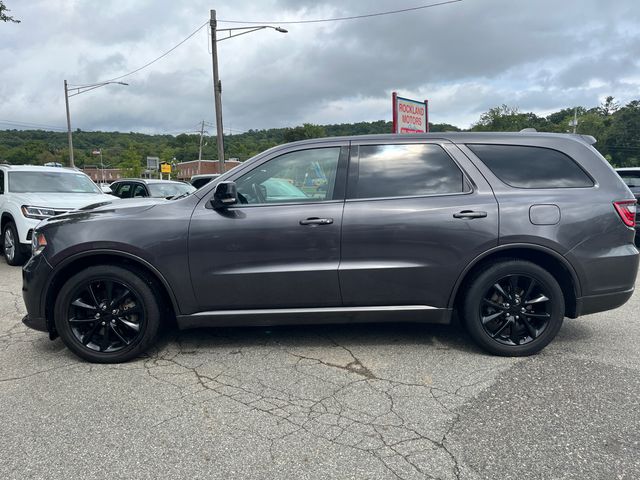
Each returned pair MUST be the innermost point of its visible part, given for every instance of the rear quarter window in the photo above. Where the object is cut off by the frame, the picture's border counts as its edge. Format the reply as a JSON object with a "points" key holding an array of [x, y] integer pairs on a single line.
{"points": [[531, 167]]}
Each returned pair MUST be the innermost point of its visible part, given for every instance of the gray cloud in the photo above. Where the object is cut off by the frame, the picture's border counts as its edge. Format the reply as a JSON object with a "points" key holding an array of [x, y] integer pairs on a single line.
{"points": [[465, 57]]}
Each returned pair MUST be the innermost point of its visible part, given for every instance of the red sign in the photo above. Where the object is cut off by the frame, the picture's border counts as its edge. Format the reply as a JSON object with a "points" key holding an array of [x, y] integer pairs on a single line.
{"points": [[410, 116]]}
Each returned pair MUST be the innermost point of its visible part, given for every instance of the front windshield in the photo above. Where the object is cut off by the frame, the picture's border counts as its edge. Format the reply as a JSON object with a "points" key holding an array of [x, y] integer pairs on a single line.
{"points": [[51, 182], [165, 190]]}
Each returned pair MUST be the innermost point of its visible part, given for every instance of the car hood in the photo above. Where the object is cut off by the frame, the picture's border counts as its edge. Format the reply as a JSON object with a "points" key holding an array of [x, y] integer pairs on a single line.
{"points": [[108, 206], [61, 201]]}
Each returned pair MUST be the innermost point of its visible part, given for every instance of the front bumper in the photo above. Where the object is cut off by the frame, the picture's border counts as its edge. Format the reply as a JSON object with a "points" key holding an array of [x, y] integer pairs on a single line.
{"points": [[26, 228], [35, 279], [39, 324]]}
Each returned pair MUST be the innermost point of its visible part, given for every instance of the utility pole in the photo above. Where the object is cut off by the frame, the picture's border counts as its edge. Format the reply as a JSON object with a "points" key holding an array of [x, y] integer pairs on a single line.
{"points": [[575, 119], [200, 149], [217, 90], [78, 89], [102, 165], [66, 101]]}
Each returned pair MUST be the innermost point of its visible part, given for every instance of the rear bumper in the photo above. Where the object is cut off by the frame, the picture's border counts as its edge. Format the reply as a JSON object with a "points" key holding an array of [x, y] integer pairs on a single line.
{"points": [[601, 303]]}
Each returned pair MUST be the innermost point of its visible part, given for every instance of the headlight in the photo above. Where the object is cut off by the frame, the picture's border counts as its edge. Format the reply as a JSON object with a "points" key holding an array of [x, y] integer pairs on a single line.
{"points": [[38, 242], [39, 213]]}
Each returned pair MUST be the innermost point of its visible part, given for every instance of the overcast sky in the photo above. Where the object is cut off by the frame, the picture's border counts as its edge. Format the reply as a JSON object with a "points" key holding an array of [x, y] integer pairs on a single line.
{"points": [[466, 57]]}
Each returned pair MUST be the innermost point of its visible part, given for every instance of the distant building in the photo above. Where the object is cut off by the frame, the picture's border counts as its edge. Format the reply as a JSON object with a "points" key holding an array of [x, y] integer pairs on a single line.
{"points": [[186, 170], [106, 175]]}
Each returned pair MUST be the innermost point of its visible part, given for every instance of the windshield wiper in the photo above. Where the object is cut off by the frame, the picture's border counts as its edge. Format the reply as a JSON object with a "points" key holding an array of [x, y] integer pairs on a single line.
{"points": [[176, 197]]}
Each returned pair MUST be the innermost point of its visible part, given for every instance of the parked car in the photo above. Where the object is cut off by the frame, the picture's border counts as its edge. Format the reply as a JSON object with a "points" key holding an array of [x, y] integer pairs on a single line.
{"points": [[29, 194], [201, 180], [631, 177], [137, 187], [514, 232], [105, 187]]}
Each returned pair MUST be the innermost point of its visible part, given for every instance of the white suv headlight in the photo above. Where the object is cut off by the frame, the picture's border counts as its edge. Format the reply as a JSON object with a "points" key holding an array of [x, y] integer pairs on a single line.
{"points": [[39, 213]]}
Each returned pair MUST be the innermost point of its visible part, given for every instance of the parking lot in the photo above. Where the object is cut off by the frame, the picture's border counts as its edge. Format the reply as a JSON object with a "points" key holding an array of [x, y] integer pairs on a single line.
{"points": [[318, 402]]}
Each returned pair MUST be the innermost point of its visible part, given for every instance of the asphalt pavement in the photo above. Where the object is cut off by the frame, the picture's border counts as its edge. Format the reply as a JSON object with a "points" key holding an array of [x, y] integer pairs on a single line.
{"points": [[378, 401]]}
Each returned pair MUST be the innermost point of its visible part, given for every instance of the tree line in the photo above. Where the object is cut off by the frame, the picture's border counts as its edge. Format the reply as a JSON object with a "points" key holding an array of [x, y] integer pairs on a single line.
{"points": [[616, 127]]}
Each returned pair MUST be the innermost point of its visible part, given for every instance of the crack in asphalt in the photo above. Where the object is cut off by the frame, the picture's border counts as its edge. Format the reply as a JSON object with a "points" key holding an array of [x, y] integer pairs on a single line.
{"points": [[347, 405], [327, 418]]}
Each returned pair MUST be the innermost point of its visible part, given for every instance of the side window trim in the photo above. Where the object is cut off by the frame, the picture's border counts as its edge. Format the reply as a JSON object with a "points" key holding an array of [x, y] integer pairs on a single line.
{"points": [[354, 171]]}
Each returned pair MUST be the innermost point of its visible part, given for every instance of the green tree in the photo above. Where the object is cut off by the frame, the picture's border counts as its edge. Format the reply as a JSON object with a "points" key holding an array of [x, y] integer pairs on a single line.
{"points": [[608, 107], [131, 163], [3, 16], [622, 139], [508, 119], [306, 131]]}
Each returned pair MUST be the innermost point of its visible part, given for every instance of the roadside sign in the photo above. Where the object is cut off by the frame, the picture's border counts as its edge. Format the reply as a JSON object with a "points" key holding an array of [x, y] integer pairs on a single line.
{"points": [[165, 168], [410, 116], [153, 163]]}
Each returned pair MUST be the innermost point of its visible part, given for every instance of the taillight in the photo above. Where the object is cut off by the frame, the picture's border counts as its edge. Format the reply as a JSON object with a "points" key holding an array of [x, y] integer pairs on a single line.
{"points": [[627, 211]]}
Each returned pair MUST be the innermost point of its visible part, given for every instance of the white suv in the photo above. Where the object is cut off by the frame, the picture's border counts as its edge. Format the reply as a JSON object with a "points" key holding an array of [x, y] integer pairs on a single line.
{"points": [[29, 194]]}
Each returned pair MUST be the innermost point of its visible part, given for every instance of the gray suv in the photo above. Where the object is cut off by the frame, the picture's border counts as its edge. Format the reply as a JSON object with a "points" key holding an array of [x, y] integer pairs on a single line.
{"points": [[514, 232]]}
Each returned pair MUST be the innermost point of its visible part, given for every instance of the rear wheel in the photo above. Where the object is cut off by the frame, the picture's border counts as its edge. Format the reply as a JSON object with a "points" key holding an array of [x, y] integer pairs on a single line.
{"points": [[13, 251], [513, 308], [107, 314]]}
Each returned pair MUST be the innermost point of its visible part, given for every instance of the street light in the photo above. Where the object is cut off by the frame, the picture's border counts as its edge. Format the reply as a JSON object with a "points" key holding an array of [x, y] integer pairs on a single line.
{"points": [[78, 90], [217, 85]]}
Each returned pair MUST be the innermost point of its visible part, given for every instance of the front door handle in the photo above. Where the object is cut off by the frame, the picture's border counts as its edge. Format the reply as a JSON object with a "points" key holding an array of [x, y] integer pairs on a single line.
{"points": [[469, 214], [316, 221]]}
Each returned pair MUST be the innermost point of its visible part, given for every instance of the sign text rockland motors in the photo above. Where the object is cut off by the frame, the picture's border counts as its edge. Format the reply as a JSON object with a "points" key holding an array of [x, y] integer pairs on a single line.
{"points": [[410, 116]]}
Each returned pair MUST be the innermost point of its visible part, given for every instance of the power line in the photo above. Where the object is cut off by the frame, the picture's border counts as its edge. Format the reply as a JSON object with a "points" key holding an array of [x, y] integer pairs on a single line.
{"points": [[156, 59], [337, 19], [29, 124]]}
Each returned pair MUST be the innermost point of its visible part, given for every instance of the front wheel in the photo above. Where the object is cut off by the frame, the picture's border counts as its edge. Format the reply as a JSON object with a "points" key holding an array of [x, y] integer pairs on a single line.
{"points": [[107, 314], [13, 251], [513, 308]]}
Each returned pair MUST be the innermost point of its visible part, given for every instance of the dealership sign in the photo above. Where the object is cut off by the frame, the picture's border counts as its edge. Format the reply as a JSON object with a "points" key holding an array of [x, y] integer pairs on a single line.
{"points": [[410, 116]]}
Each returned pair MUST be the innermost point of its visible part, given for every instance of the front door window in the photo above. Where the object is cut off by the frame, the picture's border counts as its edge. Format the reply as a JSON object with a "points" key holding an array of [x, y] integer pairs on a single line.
{"points": [[297, 177]]}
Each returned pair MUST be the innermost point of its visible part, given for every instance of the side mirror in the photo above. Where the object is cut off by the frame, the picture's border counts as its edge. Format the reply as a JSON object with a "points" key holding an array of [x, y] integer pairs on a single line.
{"points": [[224, 195]]}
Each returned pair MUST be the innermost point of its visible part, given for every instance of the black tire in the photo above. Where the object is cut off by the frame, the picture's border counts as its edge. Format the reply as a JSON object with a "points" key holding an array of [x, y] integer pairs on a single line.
{"points": [[532, 313], [12, 250], [126, 324]]}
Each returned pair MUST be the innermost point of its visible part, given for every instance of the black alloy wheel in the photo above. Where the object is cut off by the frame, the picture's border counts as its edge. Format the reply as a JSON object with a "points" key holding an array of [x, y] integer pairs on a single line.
{"points": [[107, 314], [513, 308]]}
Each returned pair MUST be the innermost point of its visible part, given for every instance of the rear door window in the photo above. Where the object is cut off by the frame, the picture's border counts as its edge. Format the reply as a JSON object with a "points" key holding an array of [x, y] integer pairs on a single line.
{"points": [[405, 171], [531, 167]]}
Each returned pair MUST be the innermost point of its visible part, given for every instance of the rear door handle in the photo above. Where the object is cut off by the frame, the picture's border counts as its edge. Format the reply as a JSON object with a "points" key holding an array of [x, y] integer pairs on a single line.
{"points": [[316, 221], [469, 214]]}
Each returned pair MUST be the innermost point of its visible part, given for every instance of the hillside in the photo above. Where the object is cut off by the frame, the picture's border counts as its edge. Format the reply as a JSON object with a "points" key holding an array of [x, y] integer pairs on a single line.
{"points": [[616, 128]]}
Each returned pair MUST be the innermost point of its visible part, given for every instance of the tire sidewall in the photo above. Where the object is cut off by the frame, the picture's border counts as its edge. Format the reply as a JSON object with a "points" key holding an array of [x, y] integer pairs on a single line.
{"points": [[18, 255], [131, 280], [490, 276]]}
